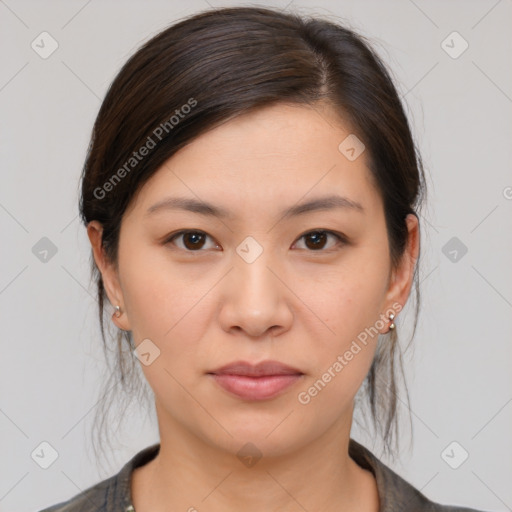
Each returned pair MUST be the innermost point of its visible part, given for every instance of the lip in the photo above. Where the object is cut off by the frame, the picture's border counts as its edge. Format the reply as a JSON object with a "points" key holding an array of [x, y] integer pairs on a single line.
{"points": [[264, 368], [262, 381]]}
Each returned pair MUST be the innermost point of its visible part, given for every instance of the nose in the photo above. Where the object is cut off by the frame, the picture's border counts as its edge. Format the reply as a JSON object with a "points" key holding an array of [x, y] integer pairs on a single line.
{"points": [[256, 299]]}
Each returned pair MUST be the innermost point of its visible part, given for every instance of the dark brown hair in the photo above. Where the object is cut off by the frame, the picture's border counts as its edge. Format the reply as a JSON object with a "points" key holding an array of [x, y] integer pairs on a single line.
{"points": [[226, 62]]}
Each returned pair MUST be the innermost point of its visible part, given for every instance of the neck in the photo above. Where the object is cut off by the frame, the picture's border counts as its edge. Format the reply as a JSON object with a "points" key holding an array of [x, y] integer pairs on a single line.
{"points": [[189, 474]]}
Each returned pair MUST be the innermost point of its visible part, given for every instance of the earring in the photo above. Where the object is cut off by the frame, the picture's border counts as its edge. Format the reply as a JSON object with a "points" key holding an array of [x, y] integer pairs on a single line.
{"points": [[392, 326], [117, 313]]}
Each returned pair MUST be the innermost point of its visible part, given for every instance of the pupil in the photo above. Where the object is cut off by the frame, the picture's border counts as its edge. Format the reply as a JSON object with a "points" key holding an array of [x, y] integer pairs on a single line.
{"points": [[195, 236], [317, 238]]}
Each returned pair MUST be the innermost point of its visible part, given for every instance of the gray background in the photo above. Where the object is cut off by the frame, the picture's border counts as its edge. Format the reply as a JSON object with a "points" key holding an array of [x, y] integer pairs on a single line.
{"points": [[459, 372]]}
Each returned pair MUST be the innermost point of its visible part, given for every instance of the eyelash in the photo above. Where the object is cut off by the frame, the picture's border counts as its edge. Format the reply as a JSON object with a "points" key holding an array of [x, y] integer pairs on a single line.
{"points": [[339, 236]]}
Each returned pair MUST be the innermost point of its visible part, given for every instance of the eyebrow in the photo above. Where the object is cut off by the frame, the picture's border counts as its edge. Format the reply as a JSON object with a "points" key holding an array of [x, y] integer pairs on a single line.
{"points": [[203, 208]]}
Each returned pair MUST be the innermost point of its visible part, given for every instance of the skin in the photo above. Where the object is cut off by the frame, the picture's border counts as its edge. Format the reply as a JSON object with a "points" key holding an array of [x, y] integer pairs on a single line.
{"points": [[295, 304]]}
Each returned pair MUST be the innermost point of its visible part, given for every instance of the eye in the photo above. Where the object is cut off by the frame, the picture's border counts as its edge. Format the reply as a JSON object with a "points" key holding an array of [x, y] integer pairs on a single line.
{"points": [[318, 238], [193, 241]]}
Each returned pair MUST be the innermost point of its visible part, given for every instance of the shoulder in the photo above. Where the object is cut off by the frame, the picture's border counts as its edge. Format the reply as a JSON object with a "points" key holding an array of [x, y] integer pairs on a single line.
{"points": [[395, 493], [447, 508], [94, 498], [110, 495], [437, 507]]}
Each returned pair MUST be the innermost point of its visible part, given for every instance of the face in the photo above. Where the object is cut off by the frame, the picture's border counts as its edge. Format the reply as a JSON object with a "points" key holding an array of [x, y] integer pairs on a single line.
{"points": [[311, 289]]}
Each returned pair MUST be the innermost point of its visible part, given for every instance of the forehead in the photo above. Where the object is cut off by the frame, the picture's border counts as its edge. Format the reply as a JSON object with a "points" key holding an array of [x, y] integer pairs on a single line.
{"points": [[282, 154]]}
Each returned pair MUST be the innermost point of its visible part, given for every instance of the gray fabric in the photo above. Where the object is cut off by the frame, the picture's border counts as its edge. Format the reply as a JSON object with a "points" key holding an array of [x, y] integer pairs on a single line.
{"points": [[396, 494]]}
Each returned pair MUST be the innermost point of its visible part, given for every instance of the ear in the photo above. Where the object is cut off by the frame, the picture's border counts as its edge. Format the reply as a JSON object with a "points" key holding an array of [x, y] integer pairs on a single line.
{"points": [[402, 278], [109, 274]]}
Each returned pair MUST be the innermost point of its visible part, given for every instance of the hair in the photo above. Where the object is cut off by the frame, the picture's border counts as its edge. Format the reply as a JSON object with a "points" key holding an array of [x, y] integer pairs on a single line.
{"points": [[211, 67]]}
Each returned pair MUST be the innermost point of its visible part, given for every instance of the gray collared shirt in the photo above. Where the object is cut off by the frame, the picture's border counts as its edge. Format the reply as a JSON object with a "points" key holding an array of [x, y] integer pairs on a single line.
{"points": [[395, 493]]}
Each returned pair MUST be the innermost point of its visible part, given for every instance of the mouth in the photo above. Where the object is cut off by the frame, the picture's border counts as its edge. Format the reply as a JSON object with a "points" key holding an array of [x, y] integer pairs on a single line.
{"points": [[263, 381]]}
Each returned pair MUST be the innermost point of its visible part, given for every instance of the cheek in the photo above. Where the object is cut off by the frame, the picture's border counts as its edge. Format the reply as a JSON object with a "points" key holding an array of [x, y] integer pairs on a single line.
{"points": [[340, 356], [165, 308], [156, 295], [345, 301], [344, 331], [171, 308]]}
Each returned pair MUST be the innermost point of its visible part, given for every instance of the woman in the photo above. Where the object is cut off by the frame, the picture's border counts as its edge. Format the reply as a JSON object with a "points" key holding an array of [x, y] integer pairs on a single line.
{"points": [[251, 194]]}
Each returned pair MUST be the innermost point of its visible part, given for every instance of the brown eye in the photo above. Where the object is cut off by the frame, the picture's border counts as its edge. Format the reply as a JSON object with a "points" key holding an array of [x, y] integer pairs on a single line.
{"points": [[192, 241], [316, 240]]}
